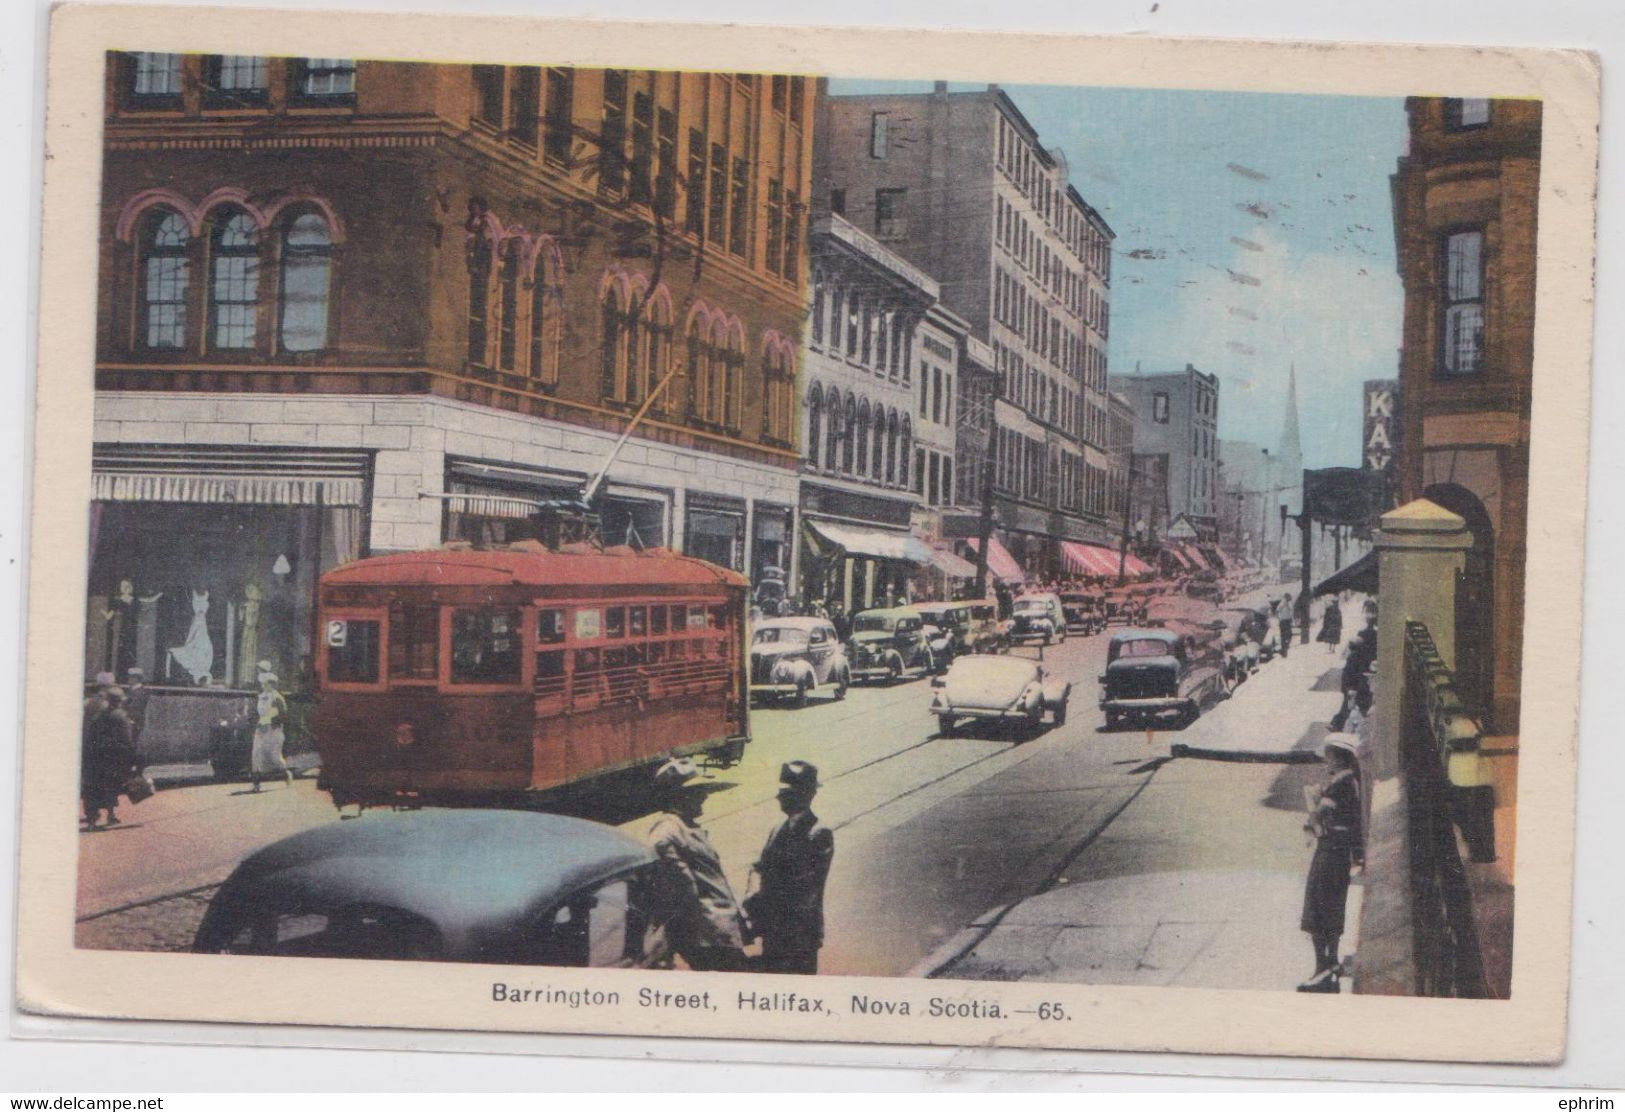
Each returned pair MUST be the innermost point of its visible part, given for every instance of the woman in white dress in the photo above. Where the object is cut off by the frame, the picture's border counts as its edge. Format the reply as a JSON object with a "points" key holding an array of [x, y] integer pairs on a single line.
{"points": [[196, 657], [271, 710]]}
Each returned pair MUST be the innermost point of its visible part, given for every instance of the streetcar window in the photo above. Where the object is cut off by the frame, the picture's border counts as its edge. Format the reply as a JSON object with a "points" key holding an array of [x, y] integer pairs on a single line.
{"points": [[696, 617], [550, 665], [586, 661], [657, 619], [719, 617], [549, 627], [615, 622], [589, 625], [352, 651], [485, 646], [637, 619], [414, 642]]}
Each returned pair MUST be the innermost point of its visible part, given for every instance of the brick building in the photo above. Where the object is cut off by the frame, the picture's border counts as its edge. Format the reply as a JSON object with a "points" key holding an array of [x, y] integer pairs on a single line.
{"points": [[350, 306], [959, 184], [1464, 225], [1176, 418]]}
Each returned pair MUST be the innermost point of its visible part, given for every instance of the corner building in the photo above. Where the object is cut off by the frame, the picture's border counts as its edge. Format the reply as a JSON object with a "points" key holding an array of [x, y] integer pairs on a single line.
{"points": [[349, 307], [959, 184]]}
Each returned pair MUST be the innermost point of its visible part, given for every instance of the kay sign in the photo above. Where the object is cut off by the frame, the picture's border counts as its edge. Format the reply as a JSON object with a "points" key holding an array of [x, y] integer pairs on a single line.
{"points": [[1381, 425]]}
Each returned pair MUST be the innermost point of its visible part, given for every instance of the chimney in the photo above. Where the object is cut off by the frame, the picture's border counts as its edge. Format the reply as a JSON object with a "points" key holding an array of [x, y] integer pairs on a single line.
{"points": [[939, 87]]}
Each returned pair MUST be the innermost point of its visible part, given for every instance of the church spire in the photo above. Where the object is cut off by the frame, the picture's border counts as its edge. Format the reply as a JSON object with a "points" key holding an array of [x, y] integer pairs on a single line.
{"points": [[1291, 447]]}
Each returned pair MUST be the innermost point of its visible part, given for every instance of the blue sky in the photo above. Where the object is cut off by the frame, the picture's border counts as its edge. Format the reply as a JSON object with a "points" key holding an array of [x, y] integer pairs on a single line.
{"points": [[1208, 192]]}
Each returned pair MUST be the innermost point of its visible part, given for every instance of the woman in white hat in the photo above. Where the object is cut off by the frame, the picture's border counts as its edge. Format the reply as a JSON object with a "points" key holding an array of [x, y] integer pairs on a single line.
{"points": [[271, 710], [1335, 818]]}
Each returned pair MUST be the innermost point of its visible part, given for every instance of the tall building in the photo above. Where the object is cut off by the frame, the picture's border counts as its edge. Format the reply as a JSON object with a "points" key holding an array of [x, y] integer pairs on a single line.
{"points": [[1176, 417], [959, 184], [1464, 226], [351, 306]]}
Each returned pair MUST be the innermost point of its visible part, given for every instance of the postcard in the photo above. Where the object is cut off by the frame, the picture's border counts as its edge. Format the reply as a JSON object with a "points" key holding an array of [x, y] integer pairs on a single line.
{"points": [[807, 534]]}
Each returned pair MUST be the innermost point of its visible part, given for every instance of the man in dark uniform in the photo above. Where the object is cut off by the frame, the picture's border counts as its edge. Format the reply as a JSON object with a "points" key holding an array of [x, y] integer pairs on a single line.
{"points": [[787, 911], [1284, 613]]}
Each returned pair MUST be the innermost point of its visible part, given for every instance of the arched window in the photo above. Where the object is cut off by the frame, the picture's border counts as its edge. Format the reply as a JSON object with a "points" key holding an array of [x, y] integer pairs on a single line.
{"points": [[612, 356], [479, 296], [720, 395], [815, 407], [868, 338], [905, 448], [891, 447], [733, 363], [544, 326], [165, 277], [698, 371], [849, 421], [832, 433], [656, 349], [307, 263], [234, 280], [861, 432], [629, 385], [508, 306], [878, 458]]}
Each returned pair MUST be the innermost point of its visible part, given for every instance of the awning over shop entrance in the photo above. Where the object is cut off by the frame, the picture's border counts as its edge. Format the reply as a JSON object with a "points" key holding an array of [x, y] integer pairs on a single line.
{"points": [[1194, 557], [878, 544], [999, 561], [1089, 559], [1358, 576], [1133, 565], [951, 565]]}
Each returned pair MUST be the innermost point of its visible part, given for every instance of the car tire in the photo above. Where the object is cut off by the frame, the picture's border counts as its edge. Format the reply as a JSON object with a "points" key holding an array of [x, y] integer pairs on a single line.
{"points": [[842, 682], [945, 725], [1059, 715], [799, 699]]}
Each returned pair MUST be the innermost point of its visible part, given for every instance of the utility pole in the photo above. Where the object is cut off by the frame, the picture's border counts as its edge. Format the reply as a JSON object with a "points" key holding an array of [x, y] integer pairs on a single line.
{"points": [[1128, 517], [984, 527], [1305, 543]]}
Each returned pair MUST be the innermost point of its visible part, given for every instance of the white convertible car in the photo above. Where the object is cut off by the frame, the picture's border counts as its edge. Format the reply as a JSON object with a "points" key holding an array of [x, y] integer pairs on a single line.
{"points": [[1005, 688]]}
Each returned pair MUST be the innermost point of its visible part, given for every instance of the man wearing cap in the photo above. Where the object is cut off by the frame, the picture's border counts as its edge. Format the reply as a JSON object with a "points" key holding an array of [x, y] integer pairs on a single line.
{"points": [[704, 923], [1335, 818], [787, 911], [136, 696]]}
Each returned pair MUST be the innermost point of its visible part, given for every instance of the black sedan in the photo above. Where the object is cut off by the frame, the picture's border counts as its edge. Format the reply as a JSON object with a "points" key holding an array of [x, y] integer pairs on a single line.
{"points": [[445, 885]]}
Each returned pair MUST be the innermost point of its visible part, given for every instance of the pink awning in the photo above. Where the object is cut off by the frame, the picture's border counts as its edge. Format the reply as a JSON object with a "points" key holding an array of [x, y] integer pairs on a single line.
{"points": [[1197, 560], [999, 561], [1136, 566], [1089, 559]]}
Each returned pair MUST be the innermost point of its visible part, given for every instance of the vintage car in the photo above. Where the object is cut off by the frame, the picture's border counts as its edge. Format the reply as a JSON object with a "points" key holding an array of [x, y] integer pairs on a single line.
{"points": [[888, 645], [1152, 672], [1003, 688], [792, 657], [1037, 617], [1085, 612], [1261, 626], [1241, 650], [973, 622], [464, 885]]}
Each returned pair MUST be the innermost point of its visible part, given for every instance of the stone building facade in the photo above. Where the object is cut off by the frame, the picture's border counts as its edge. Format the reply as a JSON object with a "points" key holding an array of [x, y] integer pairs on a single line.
{"points": [[350, 306], [1176, 417], [959, 184], [1465, 198]]}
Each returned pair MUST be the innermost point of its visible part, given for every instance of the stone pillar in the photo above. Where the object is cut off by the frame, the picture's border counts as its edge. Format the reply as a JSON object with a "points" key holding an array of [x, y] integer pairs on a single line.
{"points": [[1420, 549], [748, 564], [678, 540]]}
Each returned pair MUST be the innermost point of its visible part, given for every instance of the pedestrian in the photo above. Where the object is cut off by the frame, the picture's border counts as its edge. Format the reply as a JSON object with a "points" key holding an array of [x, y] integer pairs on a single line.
{"points": [[270, 713], [1283, 613], [136, 696], [108, 761], [1335, 819], [704, 924], [1331, 626], [787, 911]]}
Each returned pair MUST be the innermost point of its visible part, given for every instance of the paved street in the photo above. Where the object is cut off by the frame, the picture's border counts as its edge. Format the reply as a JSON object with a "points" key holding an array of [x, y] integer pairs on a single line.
{"points": [[1142, 868]]}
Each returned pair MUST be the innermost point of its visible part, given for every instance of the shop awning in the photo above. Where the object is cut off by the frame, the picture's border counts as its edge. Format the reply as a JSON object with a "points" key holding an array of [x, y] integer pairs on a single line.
{"points": [[1359, 576], [183, 473], [1136, 566], [952, 565], [999, 561], [1089, 559], [1194, 557], [1180, 560], [878, 544]]}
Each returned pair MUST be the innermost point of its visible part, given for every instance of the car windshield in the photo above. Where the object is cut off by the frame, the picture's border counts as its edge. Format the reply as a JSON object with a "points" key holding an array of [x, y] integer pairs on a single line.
{"points": [[871, 623], [779, 636], [1143, 646], [1032, 606]]}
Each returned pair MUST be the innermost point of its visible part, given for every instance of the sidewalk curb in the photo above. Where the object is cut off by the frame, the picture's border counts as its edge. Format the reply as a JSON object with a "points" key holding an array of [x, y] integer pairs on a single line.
{"points": [[1248, 756], [949, 953]]}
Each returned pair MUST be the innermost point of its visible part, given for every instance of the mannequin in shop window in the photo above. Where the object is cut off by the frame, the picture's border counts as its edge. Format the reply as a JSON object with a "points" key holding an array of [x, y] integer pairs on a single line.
{"points": [[196, 656]]}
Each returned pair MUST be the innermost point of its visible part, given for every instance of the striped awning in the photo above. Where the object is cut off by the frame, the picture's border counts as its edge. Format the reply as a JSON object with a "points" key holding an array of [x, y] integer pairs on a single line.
{"points": [[999, 561], [179, 473], [1089, 559], [951, 565], [879, 544]]}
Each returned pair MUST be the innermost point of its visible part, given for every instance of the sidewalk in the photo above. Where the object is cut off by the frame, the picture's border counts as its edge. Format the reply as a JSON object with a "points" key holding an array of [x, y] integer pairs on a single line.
{"points": [[1199, 882]]}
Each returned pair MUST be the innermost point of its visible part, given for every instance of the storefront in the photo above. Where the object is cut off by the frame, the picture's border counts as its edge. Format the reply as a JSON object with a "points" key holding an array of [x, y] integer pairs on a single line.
{"points": [[858, 549], [203, 570], [714, 530], [492, 503]]}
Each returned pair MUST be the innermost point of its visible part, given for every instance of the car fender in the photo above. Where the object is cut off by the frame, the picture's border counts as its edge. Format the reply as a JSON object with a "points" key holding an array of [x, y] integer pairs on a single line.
{"points": [[1057, 693]]}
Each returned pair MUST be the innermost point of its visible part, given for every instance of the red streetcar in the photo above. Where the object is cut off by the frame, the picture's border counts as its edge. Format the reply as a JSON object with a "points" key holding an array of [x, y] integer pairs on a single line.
{"points": [[462, 675]]}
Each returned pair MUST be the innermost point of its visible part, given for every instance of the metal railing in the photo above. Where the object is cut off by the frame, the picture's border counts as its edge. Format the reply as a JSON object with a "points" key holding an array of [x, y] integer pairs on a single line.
{"points": [[1444, 792]]}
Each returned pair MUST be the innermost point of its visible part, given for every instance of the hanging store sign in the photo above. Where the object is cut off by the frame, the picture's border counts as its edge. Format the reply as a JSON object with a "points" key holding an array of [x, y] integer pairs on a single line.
{"points": [[1381, 425]]}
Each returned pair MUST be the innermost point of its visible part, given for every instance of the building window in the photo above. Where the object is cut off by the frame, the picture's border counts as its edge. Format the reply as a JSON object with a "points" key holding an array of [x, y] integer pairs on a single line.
{"points": [[716, 198], [544, 326], [488, 92], [234, 281], [525, 116], [849, 429], [837, 202], [891, 448], [775, 224], [1159, 408], [236, 79], [877, 458], [699, 384], [307, 257], [612, 370], [479, 295], [165, 272], [508, 306], [798, 91], [815, 407], [612, 137], [155, 80], [559, 123], [792, 235], [890, 221], [1468, 112], [643, 148], [780, 89], [862, 430], [832, 430], [665, 201], [327, 79], [739, 208], [879, 134], [1462, 335]]}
